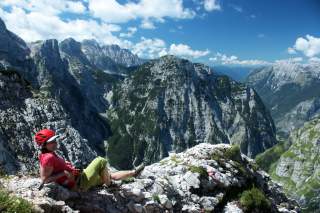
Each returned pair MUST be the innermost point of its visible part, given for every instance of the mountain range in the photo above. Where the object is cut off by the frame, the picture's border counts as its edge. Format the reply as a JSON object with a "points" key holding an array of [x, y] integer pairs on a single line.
{"points": [[107, 98]]}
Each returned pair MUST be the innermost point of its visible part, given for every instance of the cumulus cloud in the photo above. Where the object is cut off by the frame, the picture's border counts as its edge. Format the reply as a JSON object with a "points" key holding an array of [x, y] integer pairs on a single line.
{"points": [[47, 7], [309, 46], [147, 24], [220, 58], [155, 47], [292, 51], [290, 60], [149, 48], [314, 60], [43, 19], [114, 12], [184, 50], [130, 33], [36, 25], [210, 5]]}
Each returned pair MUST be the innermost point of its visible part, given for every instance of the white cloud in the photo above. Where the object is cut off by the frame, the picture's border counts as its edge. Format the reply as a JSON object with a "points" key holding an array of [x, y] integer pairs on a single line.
{"points": [[130, 33], [290, 60], [314, 60], [291, 51], [220, 58], [149, 48], [184, 50], [147, 24], [75, 7], [153, 48], [210, 5], [48, 7], [35, 25], [309, 46], [112, 11]]}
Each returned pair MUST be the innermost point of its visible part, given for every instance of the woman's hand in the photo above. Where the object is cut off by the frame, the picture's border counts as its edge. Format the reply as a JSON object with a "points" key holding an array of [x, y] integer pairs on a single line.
{"points": [[69, 175]]}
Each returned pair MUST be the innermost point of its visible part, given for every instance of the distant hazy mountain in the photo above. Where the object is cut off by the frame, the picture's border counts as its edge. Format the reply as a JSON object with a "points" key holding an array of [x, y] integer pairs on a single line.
{"points": [[110, 58], [237, 73], [290, 90]]}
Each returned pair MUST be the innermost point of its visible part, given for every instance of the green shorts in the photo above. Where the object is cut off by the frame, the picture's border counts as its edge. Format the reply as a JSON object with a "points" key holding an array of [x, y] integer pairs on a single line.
{"points": [[92, 175]]}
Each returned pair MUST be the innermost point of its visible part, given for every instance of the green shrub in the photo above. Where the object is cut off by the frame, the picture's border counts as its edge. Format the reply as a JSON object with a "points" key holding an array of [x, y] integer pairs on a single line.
{"points": [[254, 199], [13, 204], [197, 169], [233, 153], [156, 198]]}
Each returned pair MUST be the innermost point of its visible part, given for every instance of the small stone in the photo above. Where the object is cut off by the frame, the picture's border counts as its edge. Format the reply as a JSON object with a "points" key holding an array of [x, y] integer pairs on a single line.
{"points": [[164, 201], [208, 203]]}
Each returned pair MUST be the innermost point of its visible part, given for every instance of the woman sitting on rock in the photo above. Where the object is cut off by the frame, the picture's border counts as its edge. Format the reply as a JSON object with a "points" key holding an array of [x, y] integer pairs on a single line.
{"points": [[55, 169]]}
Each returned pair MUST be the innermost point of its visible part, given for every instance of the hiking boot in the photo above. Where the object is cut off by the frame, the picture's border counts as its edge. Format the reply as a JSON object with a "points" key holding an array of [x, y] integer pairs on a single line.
{"points": [[138, 170]]}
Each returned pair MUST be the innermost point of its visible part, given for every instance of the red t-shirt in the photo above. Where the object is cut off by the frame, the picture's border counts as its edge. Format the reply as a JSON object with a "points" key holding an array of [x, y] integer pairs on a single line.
{"points": [[59, 165]]}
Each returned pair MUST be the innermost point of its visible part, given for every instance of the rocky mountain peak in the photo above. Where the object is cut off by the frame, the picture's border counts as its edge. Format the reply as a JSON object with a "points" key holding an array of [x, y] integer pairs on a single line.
{"points": [[98, 53], [12, 48], [47, 49], [3, 27], [170, 104], [91, 42], [70, 46]]}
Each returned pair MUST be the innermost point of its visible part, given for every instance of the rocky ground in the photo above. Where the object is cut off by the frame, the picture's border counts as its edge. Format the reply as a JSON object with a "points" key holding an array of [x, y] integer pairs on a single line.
{"points": [[205, 178]]}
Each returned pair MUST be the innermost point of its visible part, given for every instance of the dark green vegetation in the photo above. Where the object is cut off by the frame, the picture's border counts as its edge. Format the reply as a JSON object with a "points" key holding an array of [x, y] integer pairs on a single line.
{"points": [[293, 163], [12, 204], [254, 200], [200, 170], [266, 159]]}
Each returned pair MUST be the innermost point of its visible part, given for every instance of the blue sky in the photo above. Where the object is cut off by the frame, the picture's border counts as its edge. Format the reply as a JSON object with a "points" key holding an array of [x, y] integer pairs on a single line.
{"points": [[230, 32]]}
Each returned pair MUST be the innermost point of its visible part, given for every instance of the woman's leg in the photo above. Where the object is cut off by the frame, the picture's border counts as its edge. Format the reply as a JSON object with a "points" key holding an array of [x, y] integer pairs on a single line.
{"points": [[129, 173], [122, 174], [94, 173]]}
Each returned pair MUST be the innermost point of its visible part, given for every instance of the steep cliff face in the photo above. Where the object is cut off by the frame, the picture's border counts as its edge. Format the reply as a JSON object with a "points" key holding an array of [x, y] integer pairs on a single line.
{"points": [[14, 52], [291, 91], [72, 96], [110, 58], [298, 169], [205, 178], [171, 104], [23, 111]]}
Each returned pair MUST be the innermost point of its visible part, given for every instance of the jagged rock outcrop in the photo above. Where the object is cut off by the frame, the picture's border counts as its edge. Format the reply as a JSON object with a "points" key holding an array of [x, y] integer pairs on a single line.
{"points": [[298, 169], [171, 104], [23, 111], [59, 88], [14, 53], [291, 91], [178, 183], [109, 57]]}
